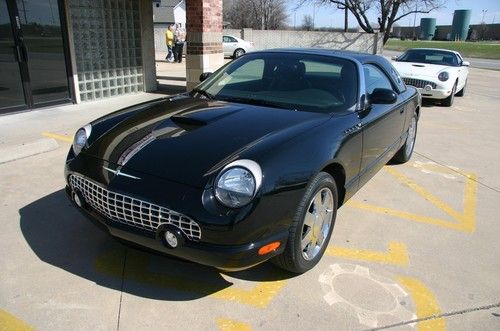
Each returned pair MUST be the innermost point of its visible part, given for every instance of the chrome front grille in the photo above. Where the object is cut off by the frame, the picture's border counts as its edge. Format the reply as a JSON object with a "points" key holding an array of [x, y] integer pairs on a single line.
{"points": [[131, 211], [419, 83]]}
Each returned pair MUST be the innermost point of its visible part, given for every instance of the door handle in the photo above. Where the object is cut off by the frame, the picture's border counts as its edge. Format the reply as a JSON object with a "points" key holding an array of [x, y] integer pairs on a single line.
{"points": [[401, 110]]}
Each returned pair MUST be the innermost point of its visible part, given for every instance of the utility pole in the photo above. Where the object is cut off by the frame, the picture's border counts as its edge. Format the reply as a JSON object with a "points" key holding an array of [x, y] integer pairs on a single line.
{"points": [[415, 22], [346, 24], [484, 12], [314, 14]]}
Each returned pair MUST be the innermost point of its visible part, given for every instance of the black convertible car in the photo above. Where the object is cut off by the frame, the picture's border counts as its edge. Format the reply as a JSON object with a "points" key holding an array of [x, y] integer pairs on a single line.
{"points": [[250, 165]]}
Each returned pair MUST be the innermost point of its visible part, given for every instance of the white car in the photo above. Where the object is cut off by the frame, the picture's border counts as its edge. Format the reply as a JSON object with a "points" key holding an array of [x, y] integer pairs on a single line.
{"points": [[436, 73], [235, 47]]}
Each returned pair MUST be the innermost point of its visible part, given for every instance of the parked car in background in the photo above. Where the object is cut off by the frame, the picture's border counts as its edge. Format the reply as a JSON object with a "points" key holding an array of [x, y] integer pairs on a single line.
{"points": [[235, 47], [252, 164], [437, 73]]}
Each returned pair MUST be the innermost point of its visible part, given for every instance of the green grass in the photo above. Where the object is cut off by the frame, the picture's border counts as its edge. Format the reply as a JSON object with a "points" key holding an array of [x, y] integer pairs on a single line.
{"points": [[467, 49]]}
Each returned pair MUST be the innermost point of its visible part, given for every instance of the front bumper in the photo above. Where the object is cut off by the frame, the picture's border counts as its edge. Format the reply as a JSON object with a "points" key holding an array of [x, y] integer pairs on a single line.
{"points": [[227, 257], [434, 93]]}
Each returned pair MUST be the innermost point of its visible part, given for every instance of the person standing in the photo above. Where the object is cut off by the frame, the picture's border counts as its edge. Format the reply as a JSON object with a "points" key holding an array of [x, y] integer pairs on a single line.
{"points": [[169, 39], [180, 39]]}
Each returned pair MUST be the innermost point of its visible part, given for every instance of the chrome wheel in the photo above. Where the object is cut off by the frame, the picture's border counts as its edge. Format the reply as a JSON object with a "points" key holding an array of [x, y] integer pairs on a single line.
{"points": [[317, 223], [412, 133]]}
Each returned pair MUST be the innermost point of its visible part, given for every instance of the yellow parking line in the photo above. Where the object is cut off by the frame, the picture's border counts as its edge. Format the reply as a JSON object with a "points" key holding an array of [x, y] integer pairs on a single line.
{"points": [[9, 322], [464, 221], [58, 136], [137, 270], [424, 193], [260, 296], [425, 303], [397, 254], [232, 325]]}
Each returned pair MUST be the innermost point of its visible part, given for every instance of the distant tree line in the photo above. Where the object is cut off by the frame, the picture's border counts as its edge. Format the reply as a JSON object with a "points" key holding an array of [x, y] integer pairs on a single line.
{"points": [[255, 14]]}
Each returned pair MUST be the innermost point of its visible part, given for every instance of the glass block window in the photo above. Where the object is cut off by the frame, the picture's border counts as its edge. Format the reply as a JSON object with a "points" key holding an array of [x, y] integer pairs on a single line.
{"points": [[107, 40]]}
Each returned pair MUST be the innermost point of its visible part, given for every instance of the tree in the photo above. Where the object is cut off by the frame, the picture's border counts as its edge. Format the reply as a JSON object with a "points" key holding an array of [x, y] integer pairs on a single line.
{"points": [[388, 11], [307, 23], [256, 14]]}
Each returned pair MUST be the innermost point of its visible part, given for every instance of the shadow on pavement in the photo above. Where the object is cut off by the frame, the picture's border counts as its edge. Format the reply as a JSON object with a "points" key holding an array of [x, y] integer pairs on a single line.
{"points": [[59, 235]]}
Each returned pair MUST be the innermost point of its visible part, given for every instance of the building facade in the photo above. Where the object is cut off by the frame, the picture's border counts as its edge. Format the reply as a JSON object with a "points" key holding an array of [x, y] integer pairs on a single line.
{"points": [[71, 51]]}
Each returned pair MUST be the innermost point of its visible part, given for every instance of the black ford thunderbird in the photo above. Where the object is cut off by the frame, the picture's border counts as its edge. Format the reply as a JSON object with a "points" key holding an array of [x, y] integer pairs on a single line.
{"points": [[252, 164]]}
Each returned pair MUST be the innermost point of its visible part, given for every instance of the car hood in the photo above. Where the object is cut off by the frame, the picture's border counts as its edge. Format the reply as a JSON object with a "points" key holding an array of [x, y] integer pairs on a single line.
{"points": [[415, 70], [186, 139]]}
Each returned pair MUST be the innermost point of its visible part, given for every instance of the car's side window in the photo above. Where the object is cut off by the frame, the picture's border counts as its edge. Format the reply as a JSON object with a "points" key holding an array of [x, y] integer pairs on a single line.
{"points": [[225, 39], [375, 78]]}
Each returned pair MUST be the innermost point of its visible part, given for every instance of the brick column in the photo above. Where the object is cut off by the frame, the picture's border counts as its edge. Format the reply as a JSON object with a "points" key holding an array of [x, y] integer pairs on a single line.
{"points": [[204, 39]]}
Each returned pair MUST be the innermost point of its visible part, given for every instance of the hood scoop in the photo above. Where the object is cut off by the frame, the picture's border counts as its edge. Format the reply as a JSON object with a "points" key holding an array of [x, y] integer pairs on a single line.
{"points": [[187, 123], [419, 65]]}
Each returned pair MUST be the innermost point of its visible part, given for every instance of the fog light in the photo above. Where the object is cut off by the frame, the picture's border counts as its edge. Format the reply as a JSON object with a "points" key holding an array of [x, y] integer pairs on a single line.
{"points": [[78, 199], [428, 87], [171, 239]]}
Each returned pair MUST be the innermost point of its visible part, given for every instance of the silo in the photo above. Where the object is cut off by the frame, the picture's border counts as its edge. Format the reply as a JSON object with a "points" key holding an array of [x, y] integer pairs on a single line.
{"points": [[427, 28], [460, 25]]}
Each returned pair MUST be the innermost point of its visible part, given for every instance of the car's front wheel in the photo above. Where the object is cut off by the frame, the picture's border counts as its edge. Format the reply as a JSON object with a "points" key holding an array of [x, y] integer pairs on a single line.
{"points": [[312, 225], [448, 102], [239, 52], [461, 93]]}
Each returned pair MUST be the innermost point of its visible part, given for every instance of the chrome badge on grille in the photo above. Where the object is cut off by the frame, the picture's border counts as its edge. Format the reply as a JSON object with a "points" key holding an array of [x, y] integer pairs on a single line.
{"points": [[118, 172]]}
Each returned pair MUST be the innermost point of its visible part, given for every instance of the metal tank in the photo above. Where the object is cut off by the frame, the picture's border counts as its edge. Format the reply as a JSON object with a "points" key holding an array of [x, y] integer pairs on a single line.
{"points": [[427, 28], [460, 25]]}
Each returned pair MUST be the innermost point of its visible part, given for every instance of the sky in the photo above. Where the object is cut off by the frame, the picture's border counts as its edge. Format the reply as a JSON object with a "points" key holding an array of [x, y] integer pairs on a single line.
{"points": [[329, 16]]}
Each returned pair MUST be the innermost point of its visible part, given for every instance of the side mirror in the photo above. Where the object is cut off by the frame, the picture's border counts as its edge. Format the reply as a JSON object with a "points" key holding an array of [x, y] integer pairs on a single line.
{"points": [[382, 96], [204, 76], [394, 58], [466, 63]]}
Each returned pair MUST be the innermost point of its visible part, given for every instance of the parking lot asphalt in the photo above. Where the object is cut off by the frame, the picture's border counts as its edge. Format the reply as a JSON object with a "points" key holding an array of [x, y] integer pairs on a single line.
{"points": [[417, 248]]}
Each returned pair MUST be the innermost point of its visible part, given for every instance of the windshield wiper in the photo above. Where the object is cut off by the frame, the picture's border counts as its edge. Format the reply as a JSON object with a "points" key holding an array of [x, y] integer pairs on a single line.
{"points": [[260, 102], [204, 93]]}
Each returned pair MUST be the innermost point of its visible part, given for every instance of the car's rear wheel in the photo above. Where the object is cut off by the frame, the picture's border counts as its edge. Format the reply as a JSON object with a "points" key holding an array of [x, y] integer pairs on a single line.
{"points": [[448, 102], [312, 225], [238, 52], [461, 93], [406, 151]]}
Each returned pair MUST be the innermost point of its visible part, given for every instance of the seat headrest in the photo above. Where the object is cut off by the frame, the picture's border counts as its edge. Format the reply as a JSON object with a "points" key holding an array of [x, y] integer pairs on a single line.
{"points": [[291, 69]]}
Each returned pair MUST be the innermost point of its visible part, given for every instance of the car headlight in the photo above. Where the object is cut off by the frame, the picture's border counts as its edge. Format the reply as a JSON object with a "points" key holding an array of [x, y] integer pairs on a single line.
{"points": [[443, 76], [237, 183], [81, 137]]}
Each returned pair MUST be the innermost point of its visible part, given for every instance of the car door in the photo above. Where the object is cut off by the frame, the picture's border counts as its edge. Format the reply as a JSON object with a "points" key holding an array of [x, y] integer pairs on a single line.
{"points": [[230, 44], [382, 124], [463, 72]]}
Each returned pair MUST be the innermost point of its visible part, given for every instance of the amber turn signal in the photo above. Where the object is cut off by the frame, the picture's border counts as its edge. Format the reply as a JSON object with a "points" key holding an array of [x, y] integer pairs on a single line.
{"points": [[269, 248]]}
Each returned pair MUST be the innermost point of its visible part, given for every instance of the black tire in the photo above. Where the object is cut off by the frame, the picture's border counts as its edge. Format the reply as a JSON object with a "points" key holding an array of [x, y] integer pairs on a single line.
{"points": [[448, 102], [238, 52], [405, 152], [461, 93], [292, 258]]}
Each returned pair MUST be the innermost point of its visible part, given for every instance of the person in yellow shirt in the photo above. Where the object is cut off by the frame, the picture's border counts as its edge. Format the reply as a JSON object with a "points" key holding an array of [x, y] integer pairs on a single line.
{"points": [[169, 39]]}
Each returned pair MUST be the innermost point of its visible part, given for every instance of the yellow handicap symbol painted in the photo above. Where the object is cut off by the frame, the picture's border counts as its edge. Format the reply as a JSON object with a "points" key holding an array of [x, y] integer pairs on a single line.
{"points": [[464, 220], [137, 269]]}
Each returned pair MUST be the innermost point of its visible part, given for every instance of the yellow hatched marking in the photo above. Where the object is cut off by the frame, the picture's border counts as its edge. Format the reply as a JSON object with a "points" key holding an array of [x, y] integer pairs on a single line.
{"points": [[425, 303], [58, 136], [397, 254], [462, 221], [137, 270], [9, 322], [232, 325]]}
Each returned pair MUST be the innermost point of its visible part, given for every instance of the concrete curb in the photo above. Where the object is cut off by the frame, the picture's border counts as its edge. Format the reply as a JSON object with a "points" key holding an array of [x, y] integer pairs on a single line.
{"points": [[17, 152]]}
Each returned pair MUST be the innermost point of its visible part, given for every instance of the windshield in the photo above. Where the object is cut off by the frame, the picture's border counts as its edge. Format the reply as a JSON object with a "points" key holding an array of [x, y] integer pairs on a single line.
{"points": [[430, 56], [302, 82]]}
